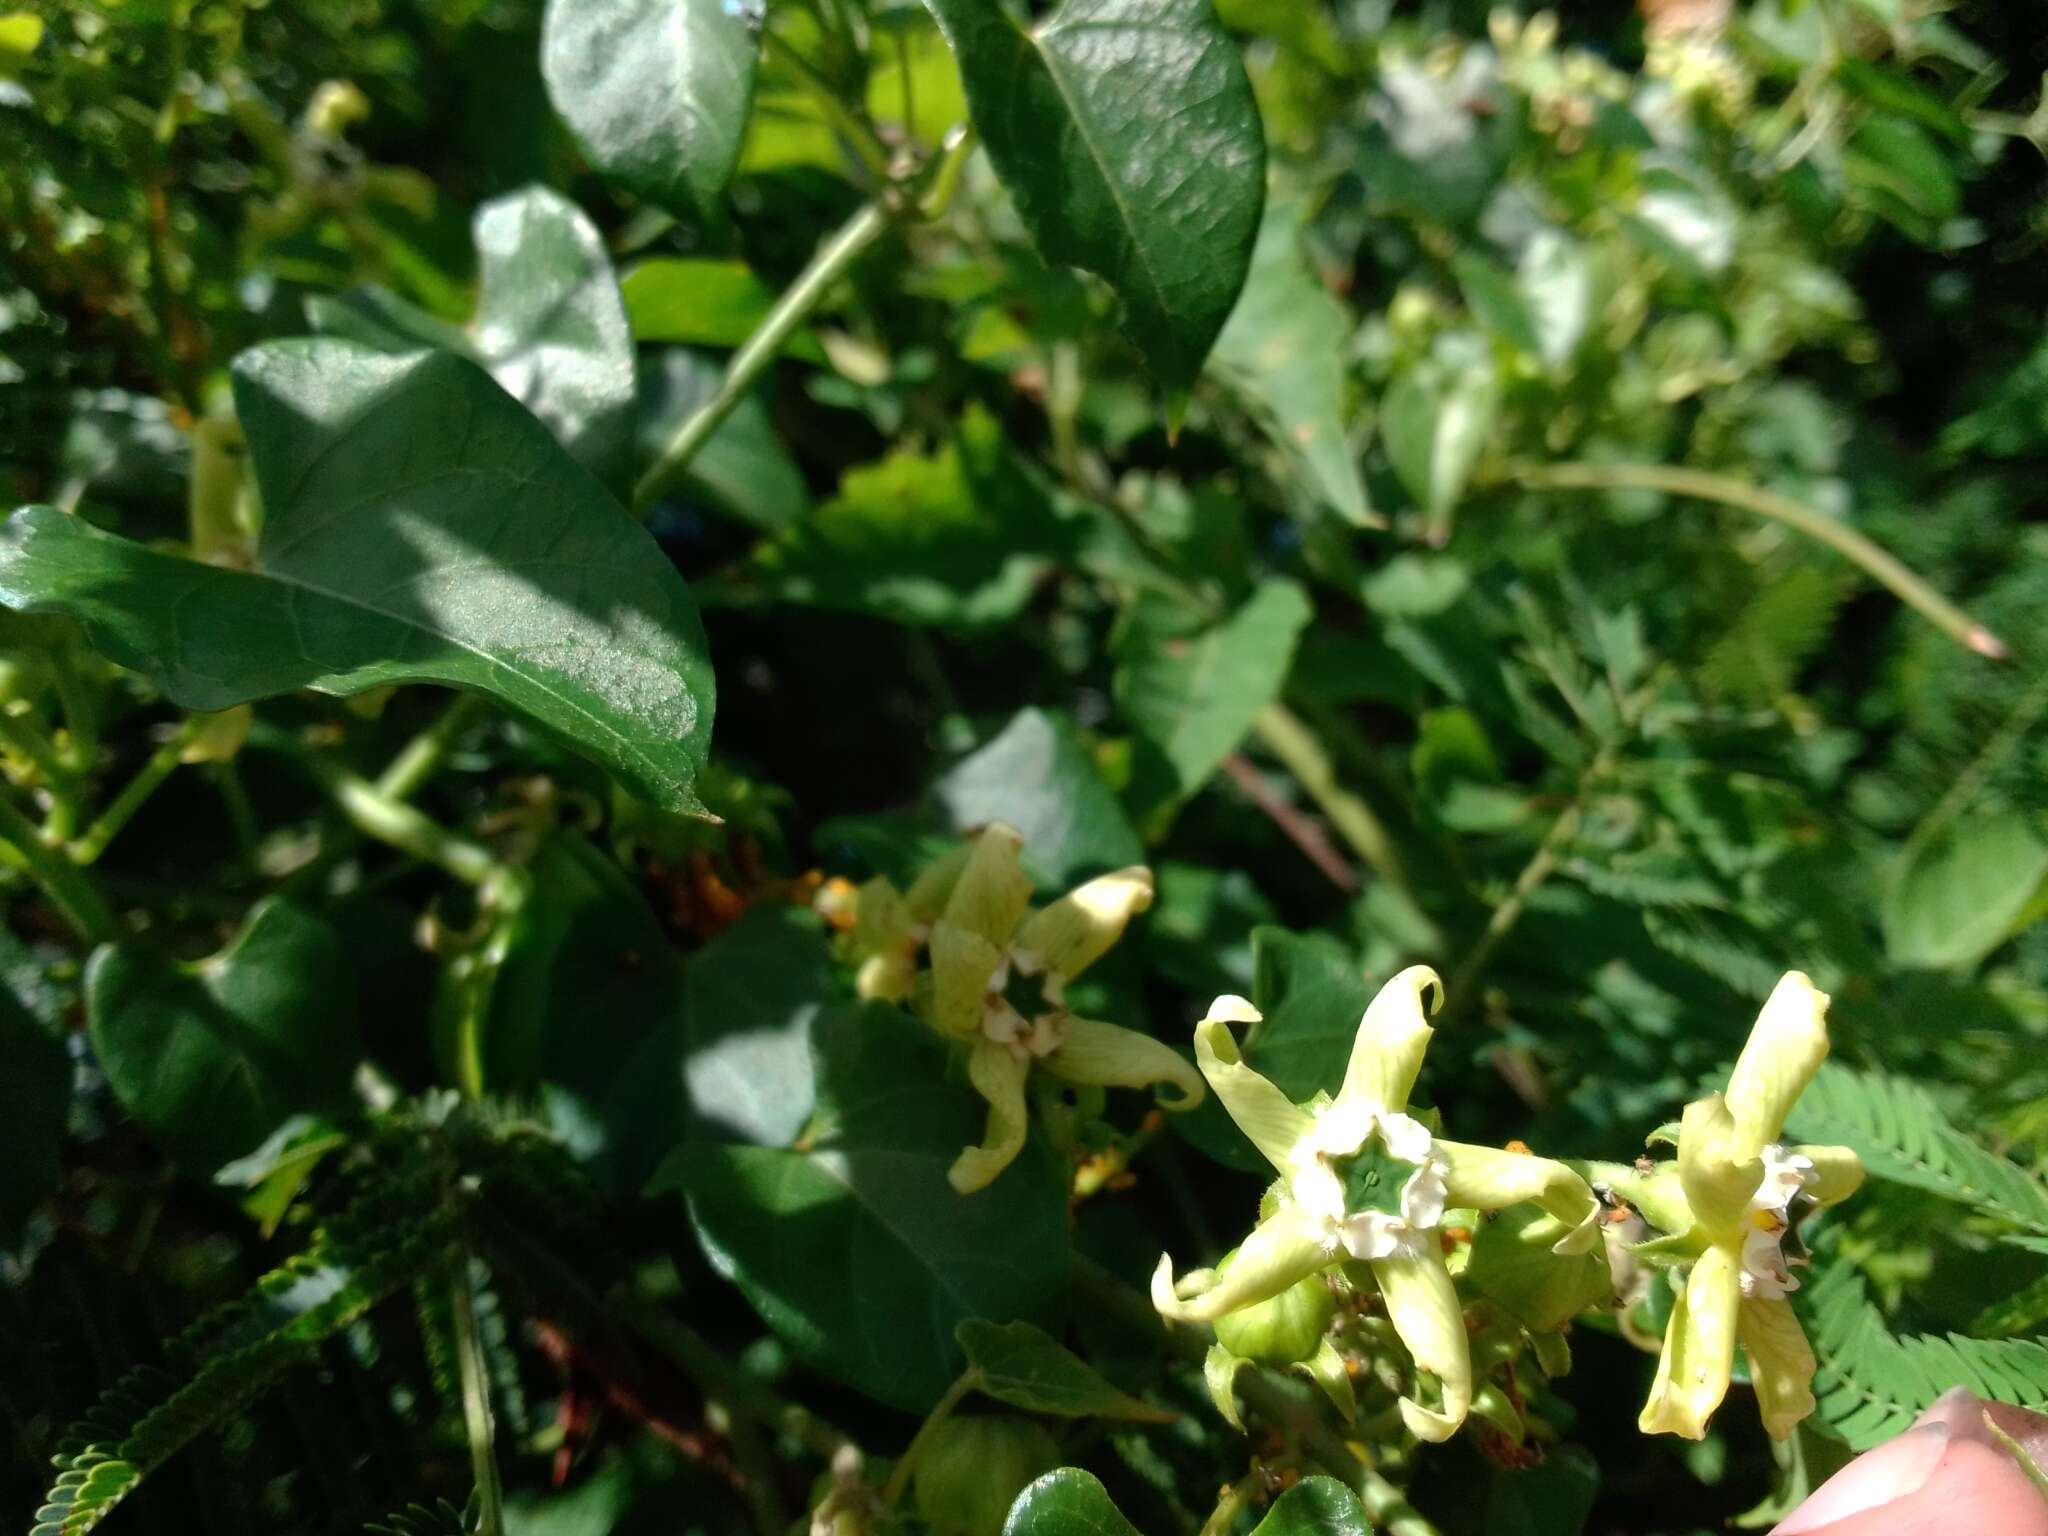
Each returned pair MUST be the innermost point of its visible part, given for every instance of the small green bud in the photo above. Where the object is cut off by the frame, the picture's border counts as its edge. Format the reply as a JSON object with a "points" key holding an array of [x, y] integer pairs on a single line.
{"points": [[971, 1470], [1512, 1265], [1284, 1330]]}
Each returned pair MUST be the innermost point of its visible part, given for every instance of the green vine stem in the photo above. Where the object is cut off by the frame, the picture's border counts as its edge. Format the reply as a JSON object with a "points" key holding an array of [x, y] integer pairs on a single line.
{"points": [[848, 124], [382, 816], [1875, 561], [476, 1400], [423, 757], [73, 891], [1289, 739], [162, 763], [827, 266], [906, 1464], [36, 749]]}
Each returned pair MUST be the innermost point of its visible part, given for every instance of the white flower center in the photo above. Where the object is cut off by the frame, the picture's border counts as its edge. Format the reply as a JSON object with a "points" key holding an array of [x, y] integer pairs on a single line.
{"points": [[1766, 1273], [1025, 1008], [1342, 1131]]}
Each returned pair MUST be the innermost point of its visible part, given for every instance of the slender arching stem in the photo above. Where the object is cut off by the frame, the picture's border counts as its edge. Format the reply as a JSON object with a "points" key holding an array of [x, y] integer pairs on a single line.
{"points": [[1877, 562], [752, 360]]}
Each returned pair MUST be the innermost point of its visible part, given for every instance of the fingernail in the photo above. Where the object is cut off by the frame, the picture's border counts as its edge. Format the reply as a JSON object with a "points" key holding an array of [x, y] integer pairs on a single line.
{"points": [[1892, 1471]]}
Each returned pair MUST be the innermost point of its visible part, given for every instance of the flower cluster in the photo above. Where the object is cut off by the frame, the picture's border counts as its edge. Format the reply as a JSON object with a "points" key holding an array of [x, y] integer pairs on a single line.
{"points": [[997, 978], [1365, 1184], [1729, 1204], [1363, 1180]]}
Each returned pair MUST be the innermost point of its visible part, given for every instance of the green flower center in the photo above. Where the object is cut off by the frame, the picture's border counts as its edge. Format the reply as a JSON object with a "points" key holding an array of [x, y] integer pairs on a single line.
{"points": [[1373, 1179], [1026, 992]]}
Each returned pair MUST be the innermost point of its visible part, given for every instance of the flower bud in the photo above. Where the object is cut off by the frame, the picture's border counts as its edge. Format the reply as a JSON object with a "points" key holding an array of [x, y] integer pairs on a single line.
{"points": [[1288, 1328], [1513, 1266], [971, 1470]]}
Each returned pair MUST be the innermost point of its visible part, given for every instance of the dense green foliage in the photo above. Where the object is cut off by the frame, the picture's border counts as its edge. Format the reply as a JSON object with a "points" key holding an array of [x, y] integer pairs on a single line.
{"points": [[1554, 502]]}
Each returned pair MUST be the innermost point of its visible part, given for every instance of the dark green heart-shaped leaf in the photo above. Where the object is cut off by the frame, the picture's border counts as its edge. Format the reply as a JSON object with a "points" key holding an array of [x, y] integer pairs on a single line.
{"points": [[549, 325], [852, 1244], [588, 1012], [753, 993], [1068, 1502], [1283, 354], [1028, 1368], [1036, 776], [419, 526], [657, 93], [211, 1057], [1311, 992], [1315, 1506], [1192, 690], [1552, 1498], [1127, 133]]}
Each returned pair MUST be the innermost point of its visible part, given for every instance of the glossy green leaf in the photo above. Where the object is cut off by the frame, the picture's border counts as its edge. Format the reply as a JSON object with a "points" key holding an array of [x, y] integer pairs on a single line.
{"points": [[753, 993], [1191, 691], [1555, 281], [1435, 420], [35, 1101], [1283, 354], [1957, 896], [549, 325], [1311, 992], [211, 1057], [595, 1013], [587, 1014], [743, 470], [1068, 1502], [1315, 1506], [1490, 292], [657, 93], [1035, 775], [1126, 132], [420, 526], [852, 1244], [960, 538], [1552, 1498], [703, 302], [1028, 1368]]}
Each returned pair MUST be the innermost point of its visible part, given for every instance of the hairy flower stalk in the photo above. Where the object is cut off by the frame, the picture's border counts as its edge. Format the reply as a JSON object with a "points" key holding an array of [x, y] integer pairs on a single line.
{"points": [[1362, 1180], [1736, 1197], [997, 983]]}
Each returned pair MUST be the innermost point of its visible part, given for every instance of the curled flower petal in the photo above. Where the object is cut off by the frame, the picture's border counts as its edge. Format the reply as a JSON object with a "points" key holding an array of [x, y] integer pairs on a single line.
{"points": [[1837, 1173], [1488, 1179], [1284, 1249], [1386, 1056], [1270, 1120], [1718, 1184], [1699, 1350], [1423, 1306], [933, 887], [993, 892], [998, 1075], [963, 964], [1786, 1047], [1780, 1363], [1109, 1056], [1075, 931]]}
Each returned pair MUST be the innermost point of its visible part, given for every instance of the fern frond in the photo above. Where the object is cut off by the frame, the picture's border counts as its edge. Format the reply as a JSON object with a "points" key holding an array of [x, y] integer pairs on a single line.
{"points": [[2025, 1311], [443, 1519], [1873, 1383], [1902, 1136], [234, 1354]]}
